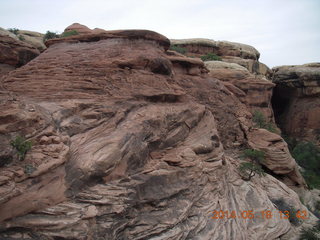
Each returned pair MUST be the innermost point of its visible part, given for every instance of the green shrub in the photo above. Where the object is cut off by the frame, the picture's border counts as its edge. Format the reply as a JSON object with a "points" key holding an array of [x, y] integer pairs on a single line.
{"points": [[50, 35], [210, 57], [250, 169], [14, 30], [29, 169], [21, 38], [178, 49], [255, 155], [69, 33], [260, 122], [292, 142], [21, 146], [307, 155]]}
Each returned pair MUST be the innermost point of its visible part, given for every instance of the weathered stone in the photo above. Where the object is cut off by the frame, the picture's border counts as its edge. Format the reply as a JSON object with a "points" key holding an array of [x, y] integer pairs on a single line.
{"points": [[33, 38], [130, 141], [254, 91], [14, 52], [296, 100]]}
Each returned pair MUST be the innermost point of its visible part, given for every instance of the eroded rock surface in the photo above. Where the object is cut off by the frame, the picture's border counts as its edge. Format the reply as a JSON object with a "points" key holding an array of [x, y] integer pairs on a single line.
{"points": [[14, 53], [239, 53], [33, 38], [130, 141], [296, 100], [254, 91]]}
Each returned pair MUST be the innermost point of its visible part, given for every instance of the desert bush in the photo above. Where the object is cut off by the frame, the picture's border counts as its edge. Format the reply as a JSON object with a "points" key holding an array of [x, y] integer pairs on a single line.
{"points": [[260, 121], [69, 33], [14, 30], [250, 169], [28, 169], [307, 155], [210, 57], [50, 35], [255, 155], [21, 38], [178, 49], [21, 146]]}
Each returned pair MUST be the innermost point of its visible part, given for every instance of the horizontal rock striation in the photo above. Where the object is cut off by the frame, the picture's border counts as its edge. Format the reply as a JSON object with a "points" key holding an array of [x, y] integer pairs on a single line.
{"points": [[242, 54], [254, 91]]}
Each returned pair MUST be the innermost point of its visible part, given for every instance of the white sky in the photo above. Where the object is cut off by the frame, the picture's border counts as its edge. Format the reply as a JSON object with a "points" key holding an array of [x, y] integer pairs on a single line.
{"points": [[285, 32]]}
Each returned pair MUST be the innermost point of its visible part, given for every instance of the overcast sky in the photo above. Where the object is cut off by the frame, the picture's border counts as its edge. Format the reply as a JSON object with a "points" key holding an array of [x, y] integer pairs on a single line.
{"points": [[285, 32]]}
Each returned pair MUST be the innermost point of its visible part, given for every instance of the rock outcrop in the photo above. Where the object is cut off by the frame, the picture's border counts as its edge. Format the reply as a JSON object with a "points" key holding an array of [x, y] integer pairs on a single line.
{"points": [[82, 29], [239, 69], [296, 100], [14, 53], [277, 156], [242, 54], [131, 141], [33, 38], [254, 91]]}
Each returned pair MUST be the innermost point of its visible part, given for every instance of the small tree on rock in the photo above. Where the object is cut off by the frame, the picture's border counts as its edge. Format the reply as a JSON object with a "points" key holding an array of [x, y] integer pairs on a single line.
{"points": [[253, 167]]}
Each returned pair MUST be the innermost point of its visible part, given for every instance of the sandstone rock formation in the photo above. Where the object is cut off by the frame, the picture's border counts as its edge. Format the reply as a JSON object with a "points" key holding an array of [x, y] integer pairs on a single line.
{"points": [[296, 100], [82, 29], [33, 38], [131, 141], [254, 91], [14, 53], [242, 54], [277, 156], [240, 71]]}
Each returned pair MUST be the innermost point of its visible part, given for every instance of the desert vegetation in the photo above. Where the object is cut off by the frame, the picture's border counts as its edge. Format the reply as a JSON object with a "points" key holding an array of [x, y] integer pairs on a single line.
{"points": [[51, 35], [210, 57], [21, 146], [253, 167], [178, 49], [260, 121], [307, 155]]}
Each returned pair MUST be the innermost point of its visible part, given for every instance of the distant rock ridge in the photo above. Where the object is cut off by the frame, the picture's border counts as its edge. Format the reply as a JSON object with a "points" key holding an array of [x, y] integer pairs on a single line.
{"points": [[242, 54]]}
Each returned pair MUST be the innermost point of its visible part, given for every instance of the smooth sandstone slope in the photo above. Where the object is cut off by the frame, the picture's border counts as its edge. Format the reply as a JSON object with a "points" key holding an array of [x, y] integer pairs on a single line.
{"points": [[131, 141]]}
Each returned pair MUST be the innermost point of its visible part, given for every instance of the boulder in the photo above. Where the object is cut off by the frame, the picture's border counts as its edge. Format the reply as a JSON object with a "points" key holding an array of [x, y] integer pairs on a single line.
{"points": [[277, 155]]}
